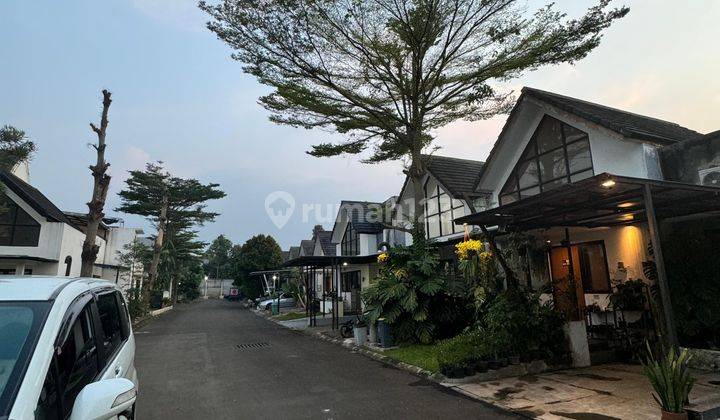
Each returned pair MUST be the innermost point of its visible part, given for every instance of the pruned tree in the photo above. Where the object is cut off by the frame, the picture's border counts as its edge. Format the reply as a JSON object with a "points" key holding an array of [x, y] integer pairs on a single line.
{"points": [[101, 183], [387, 73], [171, 203]]}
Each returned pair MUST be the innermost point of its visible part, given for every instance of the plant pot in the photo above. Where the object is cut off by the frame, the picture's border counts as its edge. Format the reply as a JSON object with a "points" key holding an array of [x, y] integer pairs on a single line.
{"points": [[457, 372], [360, 334], [514, 360], [494, 364], [674, 416], [504, 361], [469, 370], [373, 333], [481, 366]]}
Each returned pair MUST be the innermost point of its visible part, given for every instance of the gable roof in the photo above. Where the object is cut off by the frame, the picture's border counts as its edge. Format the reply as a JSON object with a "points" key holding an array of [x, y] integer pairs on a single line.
{"points": [[326, 244], [626, 123], [308, 246], [293, 252], [457, 175], [34, 198], [363, 216]]}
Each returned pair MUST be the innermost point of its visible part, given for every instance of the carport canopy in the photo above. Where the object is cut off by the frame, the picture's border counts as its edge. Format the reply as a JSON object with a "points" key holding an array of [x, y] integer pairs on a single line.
{"points": [[330, 260], [602, 200]]}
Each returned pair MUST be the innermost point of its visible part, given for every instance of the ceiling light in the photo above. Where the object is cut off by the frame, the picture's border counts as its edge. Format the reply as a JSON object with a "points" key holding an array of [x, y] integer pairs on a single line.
{"points": [[609, 183], [627, 204]]}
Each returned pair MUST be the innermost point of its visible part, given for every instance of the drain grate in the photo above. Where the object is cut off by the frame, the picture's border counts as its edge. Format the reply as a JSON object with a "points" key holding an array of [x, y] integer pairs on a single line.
{"points": [[252, 345]]}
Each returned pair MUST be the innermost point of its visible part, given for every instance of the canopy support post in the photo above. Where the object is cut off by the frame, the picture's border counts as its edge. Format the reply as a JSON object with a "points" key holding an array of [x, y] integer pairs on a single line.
{"points": [[671, 338]]}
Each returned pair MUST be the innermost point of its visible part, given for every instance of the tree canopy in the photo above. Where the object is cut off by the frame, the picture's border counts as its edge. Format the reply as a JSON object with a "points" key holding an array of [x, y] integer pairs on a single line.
{"points": [[259, 253], [386, 73], [15, 147], [217, 258]]}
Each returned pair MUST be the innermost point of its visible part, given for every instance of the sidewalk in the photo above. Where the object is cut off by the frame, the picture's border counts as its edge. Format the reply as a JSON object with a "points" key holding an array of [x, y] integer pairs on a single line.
{"points": [[613, 391]]}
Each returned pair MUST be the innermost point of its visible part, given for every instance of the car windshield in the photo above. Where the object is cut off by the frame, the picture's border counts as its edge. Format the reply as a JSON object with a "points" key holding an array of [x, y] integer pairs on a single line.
{"points": [[20, 325]]}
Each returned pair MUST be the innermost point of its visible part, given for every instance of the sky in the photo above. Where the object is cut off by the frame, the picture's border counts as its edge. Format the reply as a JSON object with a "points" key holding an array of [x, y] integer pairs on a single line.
{"points": [[179, 98]]}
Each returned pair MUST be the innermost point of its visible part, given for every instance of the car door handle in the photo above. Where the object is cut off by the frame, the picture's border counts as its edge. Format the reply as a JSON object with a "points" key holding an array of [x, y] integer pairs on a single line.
{"points": [[118, 369]]}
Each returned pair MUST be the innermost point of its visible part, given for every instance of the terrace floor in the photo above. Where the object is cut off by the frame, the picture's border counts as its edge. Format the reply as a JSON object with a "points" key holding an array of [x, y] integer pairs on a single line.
{"points": [[612, 391]]}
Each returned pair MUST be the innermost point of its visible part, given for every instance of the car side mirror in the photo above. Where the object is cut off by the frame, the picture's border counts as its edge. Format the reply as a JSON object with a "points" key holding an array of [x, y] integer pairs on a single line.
{"points": [[104, 399]]}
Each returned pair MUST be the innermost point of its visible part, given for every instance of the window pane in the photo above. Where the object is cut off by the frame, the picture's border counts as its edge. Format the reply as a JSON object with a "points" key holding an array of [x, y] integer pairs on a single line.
{"points": [[579, 155], [554, 184], [457, 203], [77, 360], [24, 219], [110, 321], [446, 223], [5, 235], [552, 165], [26, 236], [527, 172], [458, 212], [433, 226], [444, 202], [581, 175], [594, 268], [8, 215], [510, 184], [529, 192], [508, 198], [572, 133], [529, 151], [432, 206], [431, 188], [548, 135]]}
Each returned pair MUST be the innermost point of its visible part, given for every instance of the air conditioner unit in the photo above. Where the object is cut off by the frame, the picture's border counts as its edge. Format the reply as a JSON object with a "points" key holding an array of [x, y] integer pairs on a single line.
{"points": [[710, 176]]}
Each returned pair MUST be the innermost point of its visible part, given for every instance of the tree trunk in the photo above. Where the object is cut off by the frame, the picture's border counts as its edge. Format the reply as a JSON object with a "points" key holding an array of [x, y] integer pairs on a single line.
{"points": [[149, 285], [512, 281], [174, 289], [100, 189], [416, 172]]}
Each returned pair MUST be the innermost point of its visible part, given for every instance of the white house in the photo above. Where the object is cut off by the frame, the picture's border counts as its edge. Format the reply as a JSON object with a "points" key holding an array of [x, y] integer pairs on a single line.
{"points": [[36, 238]]}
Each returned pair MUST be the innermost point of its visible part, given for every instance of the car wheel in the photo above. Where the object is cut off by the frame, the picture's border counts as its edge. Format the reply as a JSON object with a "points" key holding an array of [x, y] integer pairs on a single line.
{"points": [[268, 306]]}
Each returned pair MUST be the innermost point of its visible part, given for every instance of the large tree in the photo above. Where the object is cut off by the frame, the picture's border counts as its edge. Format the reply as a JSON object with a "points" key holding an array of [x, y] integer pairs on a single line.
{"points": [[217, 258], [101, 184], [171, 203], [386, 73], [259, 253]]}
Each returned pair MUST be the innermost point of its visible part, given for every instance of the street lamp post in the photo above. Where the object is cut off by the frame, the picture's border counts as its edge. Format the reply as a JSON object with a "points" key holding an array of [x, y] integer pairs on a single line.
{"points": [[206, 287]]}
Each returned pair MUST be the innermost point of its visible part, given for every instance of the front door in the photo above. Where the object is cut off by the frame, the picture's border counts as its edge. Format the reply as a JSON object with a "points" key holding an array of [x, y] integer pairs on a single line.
{"points": [[590, 275]]}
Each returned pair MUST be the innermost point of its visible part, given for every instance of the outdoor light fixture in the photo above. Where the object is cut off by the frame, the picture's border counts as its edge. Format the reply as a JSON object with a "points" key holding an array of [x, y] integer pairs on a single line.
{"points": [[274, 277], [609, 183], [345, 264], [627, 204], [627, 217]]}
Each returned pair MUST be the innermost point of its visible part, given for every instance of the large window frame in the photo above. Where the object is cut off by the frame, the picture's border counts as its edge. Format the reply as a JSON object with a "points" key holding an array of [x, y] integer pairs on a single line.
{"points": [[441, 210], [516, 188], [16, 220], [350, 244]]}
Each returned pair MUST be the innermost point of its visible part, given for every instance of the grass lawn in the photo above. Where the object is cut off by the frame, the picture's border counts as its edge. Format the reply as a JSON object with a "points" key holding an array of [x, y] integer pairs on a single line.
{"points": [[422, 355], [290, 316]]}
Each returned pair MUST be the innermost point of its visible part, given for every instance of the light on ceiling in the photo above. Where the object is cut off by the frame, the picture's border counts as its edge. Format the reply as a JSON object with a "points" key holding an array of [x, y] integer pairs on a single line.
{"points": [[609, 183], [627, 204]]}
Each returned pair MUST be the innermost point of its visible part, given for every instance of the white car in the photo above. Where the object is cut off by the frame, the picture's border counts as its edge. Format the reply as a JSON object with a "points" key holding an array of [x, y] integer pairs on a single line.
{"points": [[286, 301], [66, 350]]}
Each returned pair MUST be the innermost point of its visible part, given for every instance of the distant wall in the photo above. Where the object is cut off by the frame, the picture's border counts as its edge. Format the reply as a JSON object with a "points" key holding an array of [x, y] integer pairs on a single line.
{"points": [[215, 287], [684, 161]]}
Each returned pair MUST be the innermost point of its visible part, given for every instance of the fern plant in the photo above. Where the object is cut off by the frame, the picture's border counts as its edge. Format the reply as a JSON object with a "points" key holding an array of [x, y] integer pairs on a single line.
{"points": [[670, 378]]}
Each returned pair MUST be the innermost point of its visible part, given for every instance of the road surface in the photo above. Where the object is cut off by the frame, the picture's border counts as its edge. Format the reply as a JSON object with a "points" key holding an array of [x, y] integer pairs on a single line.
{"points": [[213, 360]]}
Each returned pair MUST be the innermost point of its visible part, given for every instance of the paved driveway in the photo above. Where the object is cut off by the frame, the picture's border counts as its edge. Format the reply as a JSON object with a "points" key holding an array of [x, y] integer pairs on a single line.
{"points": [[214, 360]]}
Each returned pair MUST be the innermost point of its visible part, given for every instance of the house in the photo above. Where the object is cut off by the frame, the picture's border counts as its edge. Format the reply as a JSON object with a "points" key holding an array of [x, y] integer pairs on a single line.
{"points": [[591, 184], [37, 238]]}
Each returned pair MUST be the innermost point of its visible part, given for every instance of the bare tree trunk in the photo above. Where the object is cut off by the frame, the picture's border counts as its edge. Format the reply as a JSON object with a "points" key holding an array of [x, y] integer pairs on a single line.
{"points": [[157, 250], [100, 189], [416, 172]]}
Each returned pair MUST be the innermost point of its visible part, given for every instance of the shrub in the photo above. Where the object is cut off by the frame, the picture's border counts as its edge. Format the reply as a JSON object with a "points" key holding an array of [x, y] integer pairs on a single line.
{"points": [[670, 378]]}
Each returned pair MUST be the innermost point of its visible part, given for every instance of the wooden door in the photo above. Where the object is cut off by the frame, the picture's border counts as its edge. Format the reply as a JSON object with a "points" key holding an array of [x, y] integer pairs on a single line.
{"points": [[572, 306]]}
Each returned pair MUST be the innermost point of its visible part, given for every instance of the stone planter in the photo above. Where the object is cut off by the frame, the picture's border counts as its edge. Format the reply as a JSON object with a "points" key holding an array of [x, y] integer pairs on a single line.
{"points": [[360, 334], [674, 416]]}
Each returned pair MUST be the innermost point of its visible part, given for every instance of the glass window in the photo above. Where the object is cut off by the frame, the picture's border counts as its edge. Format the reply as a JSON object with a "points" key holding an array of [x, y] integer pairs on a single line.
{"points": [[593, 268], [110, 323], [433, 227], [444, 202], [544, 165], [446, 223], [17, 228], [349, 244], [77, 359], [432, 205], [20, 324], [48, 405]]}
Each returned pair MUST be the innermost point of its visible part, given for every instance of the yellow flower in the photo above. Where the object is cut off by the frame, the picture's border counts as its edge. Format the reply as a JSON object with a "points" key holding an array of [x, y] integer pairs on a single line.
{"points": [[383, 257], [400, 273], [464, 249]]}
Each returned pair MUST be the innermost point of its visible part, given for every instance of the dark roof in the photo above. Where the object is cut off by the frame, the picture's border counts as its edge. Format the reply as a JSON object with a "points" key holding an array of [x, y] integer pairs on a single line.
{"points": [[457, 175], [285, 255], [326, 260], [364, 215], [308, 246], [34, 198], [294, 252], [626, 123], [325, 238]]}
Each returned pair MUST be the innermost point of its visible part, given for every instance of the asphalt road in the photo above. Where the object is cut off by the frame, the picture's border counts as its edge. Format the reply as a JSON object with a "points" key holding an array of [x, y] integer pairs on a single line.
{"points": [[214, 360]]}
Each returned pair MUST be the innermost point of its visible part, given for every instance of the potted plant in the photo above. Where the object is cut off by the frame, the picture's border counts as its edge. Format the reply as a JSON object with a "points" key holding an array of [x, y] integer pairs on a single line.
{"points": [[360, 331], [671, 380], [629, 297]]}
